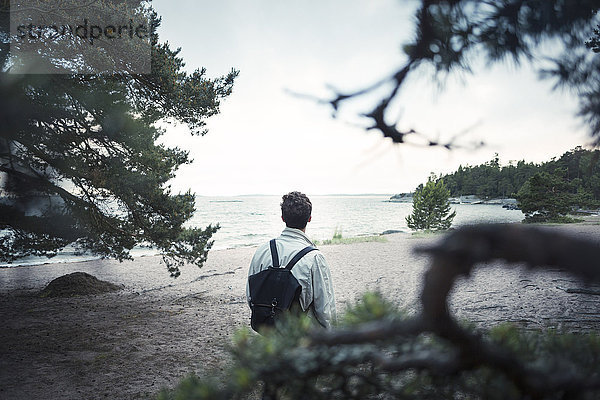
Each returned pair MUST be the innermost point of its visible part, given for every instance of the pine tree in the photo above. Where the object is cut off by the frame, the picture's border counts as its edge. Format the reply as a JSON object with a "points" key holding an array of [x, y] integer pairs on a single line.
{"points": [[431, 208], [547, 197], [81, 161]]}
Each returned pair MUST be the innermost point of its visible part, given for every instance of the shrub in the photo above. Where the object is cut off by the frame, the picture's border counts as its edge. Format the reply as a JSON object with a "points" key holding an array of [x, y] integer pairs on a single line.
{"points": [[431, 208]]}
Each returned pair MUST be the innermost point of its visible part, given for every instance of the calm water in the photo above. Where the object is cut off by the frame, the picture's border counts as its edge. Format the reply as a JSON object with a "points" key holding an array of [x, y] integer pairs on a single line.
{"points": [[252, 220]]}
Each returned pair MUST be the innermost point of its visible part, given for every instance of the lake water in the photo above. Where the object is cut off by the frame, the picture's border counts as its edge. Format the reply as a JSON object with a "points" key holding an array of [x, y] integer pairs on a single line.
{"points": [[252, 220]]}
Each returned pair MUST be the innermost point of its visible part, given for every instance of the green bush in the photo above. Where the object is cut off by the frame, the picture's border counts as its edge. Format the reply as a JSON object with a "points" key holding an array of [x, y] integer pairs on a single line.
{"points": [[337, 234], [431, 208], [339, 239]]}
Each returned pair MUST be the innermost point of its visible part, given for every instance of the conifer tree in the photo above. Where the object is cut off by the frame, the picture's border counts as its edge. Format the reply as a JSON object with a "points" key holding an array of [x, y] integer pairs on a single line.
{"points": [[431, 208], [81, 161], [547, 197]]}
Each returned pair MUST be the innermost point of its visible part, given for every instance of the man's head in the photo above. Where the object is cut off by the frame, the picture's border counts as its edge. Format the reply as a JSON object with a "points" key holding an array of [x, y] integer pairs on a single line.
{"points": [[296, 209]]}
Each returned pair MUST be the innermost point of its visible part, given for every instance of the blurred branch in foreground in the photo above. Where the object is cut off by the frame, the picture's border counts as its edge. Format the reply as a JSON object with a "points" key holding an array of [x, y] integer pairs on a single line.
{"points": [[451, 35], [380, 352]]}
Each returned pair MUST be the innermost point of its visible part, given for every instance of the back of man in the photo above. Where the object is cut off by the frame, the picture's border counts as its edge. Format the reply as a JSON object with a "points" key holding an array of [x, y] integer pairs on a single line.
{"points": [[311, 271]]}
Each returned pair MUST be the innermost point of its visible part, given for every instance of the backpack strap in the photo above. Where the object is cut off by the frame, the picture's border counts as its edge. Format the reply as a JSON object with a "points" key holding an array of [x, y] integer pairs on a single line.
{"points": [[274, 254], [298, 256]]}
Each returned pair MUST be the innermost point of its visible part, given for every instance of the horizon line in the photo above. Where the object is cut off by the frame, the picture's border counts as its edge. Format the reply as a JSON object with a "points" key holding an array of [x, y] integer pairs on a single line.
{"points": [[309, 194]]}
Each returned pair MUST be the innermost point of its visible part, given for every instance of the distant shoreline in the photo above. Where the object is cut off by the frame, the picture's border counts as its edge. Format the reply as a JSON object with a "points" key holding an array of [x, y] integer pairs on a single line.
{"points": [[593, 219]]}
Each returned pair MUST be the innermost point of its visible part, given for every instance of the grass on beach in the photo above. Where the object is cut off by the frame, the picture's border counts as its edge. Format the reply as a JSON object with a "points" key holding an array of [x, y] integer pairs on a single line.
{"points": [[427, 234], [576, 218], [338, 239]]}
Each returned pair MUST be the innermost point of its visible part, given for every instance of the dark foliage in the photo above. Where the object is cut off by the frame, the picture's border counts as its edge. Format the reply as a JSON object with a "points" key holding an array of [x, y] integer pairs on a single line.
{"points": [[594, 42], [489, 180], [578, 168], [80, 160]]}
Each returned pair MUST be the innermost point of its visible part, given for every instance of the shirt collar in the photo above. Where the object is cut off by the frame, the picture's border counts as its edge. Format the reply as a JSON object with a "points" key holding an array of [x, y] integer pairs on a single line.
{"points": [[296, 233]]}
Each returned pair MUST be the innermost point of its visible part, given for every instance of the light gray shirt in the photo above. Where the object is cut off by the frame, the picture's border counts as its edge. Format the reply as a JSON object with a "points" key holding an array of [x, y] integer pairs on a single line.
{"points": [[312, 272]]}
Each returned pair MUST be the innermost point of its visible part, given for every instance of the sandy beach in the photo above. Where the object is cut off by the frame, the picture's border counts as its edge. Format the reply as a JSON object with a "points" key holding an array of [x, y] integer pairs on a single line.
{"points": [[128, 344]]}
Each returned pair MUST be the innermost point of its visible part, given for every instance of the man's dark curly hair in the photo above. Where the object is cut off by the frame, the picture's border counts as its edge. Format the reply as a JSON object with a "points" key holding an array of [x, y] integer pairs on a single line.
{"points": [[296, 209]]}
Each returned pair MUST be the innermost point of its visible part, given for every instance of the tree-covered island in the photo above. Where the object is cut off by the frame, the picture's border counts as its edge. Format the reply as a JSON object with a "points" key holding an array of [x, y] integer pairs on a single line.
{"points": [[545, 192]]}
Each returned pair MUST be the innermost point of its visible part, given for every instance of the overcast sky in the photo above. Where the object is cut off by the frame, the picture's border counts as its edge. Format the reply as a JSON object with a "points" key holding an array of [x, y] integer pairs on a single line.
{"points": [[267, 141]]}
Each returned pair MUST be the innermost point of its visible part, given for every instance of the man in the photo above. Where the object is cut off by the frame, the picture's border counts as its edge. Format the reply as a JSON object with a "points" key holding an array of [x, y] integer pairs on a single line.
{"points": [[311, 271]]}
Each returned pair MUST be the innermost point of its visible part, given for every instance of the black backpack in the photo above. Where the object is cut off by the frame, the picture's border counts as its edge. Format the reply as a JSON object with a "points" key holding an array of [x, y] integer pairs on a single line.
{"points": [[273, 290]]}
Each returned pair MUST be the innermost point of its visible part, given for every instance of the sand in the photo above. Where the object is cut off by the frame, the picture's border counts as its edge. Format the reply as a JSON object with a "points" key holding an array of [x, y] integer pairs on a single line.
{"points": [[130, 343]]}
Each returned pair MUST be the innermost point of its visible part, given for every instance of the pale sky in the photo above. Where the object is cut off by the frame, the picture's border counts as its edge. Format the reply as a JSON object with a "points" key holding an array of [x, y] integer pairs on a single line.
{"points": [[267, 141]]}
